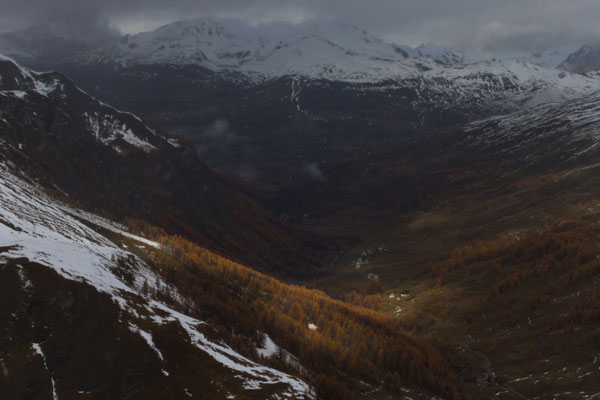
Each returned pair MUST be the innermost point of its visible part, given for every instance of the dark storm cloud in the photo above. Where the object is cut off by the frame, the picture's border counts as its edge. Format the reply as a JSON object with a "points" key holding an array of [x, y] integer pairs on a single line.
{"points": [[489, 25]]}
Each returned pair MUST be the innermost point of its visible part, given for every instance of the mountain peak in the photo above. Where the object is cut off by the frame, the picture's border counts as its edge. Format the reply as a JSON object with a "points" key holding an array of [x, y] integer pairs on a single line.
{"points": [[440, 52], [586, 59]]}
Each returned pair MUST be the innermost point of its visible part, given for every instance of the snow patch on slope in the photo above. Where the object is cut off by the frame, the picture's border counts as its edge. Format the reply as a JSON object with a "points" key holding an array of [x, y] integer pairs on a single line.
{"points": [[148, 338], [38, 349], [107, 125], [269, 347], [574, 125], [107, 130]]}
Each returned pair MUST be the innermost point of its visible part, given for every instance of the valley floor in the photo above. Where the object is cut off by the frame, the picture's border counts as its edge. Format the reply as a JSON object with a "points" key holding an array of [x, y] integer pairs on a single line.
{"points": [[460, 273]]}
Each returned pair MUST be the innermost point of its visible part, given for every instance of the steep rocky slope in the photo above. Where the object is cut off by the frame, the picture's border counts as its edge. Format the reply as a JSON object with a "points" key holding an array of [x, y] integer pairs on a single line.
{"points": [[79, 319], [110, 161]]}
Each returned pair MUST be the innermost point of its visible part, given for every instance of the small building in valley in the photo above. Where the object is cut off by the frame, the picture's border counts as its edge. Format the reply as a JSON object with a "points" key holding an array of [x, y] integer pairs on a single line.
{"points": [[373, 277]]}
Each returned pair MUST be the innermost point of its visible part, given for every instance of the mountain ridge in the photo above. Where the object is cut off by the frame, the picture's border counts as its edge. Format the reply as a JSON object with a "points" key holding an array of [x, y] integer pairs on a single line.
{"points": [[110, 161], [319, 50]]}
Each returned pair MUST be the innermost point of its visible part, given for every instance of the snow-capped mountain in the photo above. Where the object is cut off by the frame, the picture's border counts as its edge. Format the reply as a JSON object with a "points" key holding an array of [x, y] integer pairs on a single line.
{"points": [[586, 59], [252, 55], [317, 50]]}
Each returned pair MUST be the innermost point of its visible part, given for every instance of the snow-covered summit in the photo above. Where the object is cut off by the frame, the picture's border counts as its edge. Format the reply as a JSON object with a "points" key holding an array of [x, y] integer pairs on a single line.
{"points": [[310, 49]]}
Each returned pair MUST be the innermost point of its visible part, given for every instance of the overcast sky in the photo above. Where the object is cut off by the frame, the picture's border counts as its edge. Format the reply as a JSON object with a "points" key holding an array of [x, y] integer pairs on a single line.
{"points": [[468, 25]]}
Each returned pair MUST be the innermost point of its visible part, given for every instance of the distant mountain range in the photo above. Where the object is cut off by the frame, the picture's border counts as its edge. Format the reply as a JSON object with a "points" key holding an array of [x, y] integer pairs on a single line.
{"points": [[251, 55], [338, 52], [235, 90], [319, 50]]}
